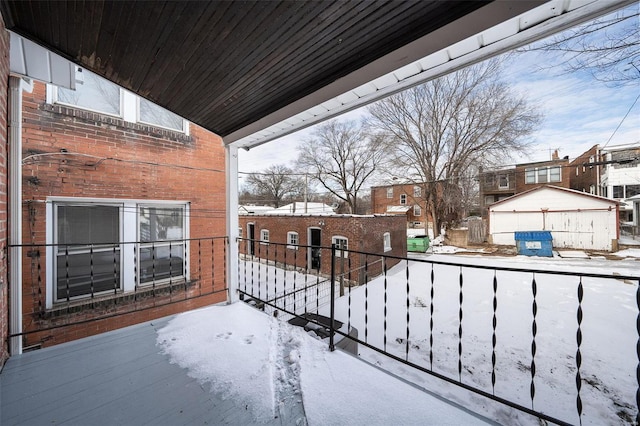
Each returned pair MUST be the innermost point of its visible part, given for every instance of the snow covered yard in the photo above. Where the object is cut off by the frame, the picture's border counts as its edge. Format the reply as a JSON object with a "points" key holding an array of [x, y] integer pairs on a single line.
{"points": [[608, 328]]}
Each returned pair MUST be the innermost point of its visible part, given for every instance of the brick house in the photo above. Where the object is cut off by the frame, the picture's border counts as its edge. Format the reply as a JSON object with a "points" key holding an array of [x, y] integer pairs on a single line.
{"points": [[497, 185], [584, 176], [406, 199], [612, 172], [303, 240], [126, 173]]}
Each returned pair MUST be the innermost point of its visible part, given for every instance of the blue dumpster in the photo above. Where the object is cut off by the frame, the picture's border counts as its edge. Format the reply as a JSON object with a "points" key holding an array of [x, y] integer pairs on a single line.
{"points": [[534, 243]]}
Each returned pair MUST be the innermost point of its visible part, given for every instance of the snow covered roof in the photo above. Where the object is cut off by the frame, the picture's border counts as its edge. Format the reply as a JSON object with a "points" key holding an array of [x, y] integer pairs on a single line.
{"points": [[301, 208], [554, 188], [253, 209], [398, 209]]}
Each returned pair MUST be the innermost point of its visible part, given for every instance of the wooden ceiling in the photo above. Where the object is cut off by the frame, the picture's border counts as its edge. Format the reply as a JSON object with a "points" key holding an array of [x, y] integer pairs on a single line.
{"points": [[226, 64]]}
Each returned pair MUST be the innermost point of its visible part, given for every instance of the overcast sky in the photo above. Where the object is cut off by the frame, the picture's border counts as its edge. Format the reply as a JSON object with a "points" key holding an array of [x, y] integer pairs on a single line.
{"points": [[579, 113]]}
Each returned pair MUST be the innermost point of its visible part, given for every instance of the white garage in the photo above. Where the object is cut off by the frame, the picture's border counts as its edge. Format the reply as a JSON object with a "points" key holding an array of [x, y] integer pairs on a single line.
{"points": [[576, 219]]}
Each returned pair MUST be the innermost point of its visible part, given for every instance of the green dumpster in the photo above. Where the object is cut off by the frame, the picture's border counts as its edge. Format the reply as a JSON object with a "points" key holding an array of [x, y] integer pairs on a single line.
{"points": [[419, 243]]}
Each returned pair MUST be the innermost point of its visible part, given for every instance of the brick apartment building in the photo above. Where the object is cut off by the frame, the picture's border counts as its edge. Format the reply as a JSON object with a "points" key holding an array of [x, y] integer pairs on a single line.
{"points": [[304, 240], [497, 185], [101, 165], [407, 199]]}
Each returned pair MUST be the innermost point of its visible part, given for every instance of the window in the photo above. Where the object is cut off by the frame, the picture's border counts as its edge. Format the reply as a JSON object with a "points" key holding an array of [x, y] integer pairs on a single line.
{"points": [[632, 190], [240, 232], [151, 113], [87, 250], [389, 192], [94, 93], [403, 199], [542, 175], [592, 189], [162, 250], [618, 191], [503, 181], [387, 241], [342, 245], [90, 254], [417, 191], [292, 240], [530, 176], [417, 210], [264, 236], [97, 94]]}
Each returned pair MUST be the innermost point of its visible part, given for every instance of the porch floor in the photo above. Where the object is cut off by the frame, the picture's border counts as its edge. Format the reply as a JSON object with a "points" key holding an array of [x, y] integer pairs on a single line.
{"points": [[121, 377]]}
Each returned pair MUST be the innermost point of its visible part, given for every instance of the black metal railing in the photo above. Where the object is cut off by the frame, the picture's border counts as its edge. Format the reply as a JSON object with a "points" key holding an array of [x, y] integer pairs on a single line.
{"points": [[470, 325], [76, 283]]}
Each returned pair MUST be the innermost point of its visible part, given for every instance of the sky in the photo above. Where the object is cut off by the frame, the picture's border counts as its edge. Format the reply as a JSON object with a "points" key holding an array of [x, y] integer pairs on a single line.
{"points": [[579, 113], [272, 368]]}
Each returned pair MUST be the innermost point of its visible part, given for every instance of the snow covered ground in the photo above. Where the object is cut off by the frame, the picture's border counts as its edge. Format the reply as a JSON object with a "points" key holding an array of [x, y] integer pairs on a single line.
{"points": [[214, 345]]}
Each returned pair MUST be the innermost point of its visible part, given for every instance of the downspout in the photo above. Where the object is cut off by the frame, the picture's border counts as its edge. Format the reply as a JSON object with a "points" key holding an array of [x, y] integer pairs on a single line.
{"points": [[15, 214], [231, 159]]}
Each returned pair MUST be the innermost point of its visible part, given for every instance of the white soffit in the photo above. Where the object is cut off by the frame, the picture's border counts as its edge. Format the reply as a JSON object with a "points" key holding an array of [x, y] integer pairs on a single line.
{"points": [[537, 23], [28, 59]]}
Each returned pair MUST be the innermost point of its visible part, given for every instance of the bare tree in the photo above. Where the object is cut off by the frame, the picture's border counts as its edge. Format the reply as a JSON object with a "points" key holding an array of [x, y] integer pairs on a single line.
{"points": [[275, 185], [342, 157], [443, 128], [608, 48]]}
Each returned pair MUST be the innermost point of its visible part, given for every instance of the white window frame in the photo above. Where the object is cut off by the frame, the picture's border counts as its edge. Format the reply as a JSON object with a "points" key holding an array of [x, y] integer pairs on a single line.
{"points": [[129, 107], [389, 192], [140, 245], [545, 171], [128, 233], [417, 210], [342, 245], [403, 199], [386, 238], [506, 179], [417, 191], [293, 240], [264, 236]]}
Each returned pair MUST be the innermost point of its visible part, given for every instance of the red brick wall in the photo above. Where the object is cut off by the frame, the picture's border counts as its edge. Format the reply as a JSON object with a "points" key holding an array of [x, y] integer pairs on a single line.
{"points": [[109, 158], [581, 177], [364, 234], [4, 283]]}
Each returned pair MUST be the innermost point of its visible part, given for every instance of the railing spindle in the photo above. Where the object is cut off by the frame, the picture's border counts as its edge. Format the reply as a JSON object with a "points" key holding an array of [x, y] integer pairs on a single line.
{"points": [[461, 279], [493, 337], [408, 314], [534, 331], [578, 354], [384, 266], [431, 319]]}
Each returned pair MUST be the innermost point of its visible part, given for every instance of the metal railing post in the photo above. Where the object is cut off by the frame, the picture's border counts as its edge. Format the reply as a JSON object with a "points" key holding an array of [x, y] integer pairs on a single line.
{"points": [[333, 297]]}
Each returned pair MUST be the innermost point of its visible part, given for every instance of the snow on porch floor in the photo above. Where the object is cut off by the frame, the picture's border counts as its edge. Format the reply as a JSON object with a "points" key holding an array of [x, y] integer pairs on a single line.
{"points": [[155, 373]]}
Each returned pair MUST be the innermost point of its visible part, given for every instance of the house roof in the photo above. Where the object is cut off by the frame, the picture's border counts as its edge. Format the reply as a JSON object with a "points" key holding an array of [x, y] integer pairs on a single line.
{"points": [[398, 209], [299, 208], [554, 188], [240, 68], [253, 209]]}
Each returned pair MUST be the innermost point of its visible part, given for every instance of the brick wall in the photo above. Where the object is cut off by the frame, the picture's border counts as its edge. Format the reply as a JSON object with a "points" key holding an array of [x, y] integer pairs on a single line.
{"points": [[4, 284], [364, 234], [581, 177], [76, 153]]}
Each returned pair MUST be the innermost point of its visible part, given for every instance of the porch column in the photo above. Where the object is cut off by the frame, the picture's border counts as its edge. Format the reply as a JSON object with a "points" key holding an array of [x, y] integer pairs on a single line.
{"points": [[15, 213], [232, 221]]}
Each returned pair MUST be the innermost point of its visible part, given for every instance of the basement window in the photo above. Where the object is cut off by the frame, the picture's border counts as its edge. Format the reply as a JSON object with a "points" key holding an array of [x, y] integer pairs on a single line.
{"points": [[387, 241]]}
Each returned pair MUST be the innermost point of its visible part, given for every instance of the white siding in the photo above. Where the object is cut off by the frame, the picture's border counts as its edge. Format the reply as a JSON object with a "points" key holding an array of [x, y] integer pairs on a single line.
{"points": [[575, 220]]}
